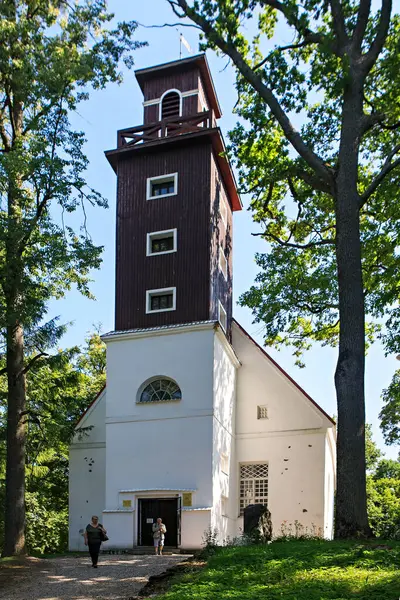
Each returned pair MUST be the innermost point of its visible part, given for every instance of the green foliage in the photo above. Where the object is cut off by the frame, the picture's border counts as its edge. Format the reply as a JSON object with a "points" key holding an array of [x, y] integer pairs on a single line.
{"points": [[295, 296], [384, 507], [390, 413], [59, 389], [383, 491], [51, 54], [309, 570]]}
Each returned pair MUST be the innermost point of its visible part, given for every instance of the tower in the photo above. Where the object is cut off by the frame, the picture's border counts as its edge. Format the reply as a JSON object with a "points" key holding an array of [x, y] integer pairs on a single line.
{"points": [[175, 197]]}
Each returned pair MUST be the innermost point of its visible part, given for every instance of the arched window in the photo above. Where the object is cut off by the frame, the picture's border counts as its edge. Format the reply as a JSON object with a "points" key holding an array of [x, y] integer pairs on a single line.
{"points": [[170, 104], [160, 389]]}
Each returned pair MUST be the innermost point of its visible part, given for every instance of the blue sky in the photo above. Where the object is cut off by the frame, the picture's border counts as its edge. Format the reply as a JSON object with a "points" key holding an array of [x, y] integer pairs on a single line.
{"points": [[118, 107]]}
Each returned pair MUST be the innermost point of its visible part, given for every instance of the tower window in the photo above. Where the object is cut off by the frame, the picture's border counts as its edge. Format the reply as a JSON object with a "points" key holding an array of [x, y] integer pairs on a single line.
{"points": [[222, 316], [171, 105], [223, 210], [164, 185], [223, 263], [162, 300], [161, 242]]}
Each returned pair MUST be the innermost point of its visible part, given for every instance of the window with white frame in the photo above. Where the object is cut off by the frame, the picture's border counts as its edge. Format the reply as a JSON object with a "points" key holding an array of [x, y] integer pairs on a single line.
{"points": [[161, 242], [162, 186], [225, 464], [222, 316], [253, 485], [262, 412], [223, 263], [170, 104], [159, 389], [223, 210], [161, 300]]}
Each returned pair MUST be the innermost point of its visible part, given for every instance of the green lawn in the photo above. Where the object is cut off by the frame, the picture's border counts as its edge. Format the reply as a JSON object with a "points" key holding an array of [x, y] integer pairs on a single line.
{"points": [[306, 570]]}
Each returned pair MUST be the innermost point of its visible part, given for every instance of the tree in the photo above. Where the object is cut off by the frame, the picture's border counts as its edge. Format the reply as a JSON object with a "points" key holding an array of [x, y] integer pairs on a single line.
{"points": [[60, 389], [390, 413], [325, 194], [51, 53], [383, 491]]}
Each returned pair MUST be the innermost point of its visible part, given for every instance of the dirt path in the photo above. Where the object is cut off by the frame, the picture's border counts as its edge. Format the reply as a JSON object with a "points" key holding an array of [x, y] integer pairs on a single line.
{"points": [[68, 578]]}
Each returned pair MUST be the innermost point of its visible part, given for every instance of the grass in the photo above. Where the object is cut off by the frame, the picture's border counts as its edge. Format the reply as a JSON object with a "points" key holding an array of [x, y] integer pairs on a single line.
{"points": [[306, 570]]}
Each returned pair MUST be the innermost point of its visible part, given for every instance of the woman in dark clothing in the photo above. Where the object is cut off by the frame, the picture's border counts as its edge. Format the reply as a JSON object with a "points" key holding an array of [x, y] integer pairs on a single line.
{"points": [[93, 539]]}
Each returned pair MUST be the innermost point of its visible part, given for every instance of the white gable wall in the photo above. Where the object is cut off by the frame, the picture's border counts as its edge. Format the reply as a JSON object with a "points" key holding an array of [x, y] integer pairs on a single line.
{"points": [[291, 440], [87, 472]]}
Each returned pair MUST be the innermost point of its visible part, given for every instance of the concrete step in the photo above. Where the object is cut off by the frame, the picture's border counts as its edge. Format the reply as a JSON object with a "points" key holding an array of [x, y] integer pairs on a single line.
{"points": [[143, 550]]}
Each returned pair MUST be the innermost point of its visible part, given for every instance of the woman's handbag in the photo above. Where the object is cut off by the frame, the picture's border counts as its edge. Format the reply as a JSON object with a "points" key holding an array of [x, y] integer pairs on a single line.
{"points": [[103, 536]]}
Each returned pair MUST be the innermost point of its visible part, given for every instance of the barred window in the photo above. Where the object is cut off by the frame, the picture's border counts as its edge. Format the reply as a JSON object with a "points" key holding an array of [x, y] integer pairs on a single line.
{"points": [[161, 390], [253, 485]]}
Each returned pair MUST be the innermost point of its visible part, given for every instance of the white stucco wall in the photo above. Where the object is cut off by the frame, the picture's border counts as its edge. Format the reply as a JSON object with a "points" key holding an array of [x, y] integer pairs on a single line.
{"points": [[330, 481], [162, 445], [87, 473], [225, 367], [291, 440]]}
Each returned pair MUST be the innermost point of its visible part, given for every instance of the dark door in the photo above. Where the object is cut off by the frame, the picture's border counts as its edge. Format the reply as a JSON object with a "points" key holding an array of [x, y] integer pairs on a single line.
{"points": [[149, 511]]}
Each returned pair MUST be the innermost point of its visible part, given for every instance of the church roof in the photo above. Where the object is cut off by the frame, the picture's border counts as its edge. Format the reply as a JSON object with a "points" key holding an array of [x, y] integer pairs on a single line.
{"points": [[282, 370]]}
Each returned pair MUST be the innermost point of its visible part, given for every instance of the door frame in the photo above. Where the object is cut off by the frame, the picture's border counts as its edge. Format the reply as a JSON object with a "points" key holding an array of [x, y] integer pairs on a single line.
{"points": [[176, 497]]}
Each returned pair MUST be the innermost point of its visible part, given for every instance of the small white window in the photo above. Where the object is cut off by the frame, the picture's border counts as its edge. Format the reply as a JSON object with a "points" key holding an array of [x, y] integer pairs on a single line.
{"points": [[222, 316], [223, 211], [162, 300], [162, 186], [224, 506], [223, 263], [225, 464], [262, 412], [161, 242]]}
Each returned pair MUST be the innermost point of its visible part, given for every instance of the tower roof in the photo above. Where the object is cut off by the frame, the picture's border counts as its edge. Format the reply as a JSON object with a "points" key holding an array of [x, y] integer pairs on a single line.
{"points": [[178, 66]]}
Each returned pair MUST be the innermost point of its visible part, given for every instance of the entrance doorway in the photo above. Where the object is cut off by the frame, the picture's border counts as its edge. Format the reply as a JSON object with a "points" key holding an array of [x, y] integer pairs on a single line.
{"points": [[149, 511]]}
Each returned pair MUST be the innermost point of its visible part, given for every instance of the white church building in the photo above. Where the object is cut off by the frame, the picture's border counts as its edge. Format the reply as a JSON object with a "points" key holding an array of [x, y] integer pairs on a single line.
{"points": [[197, 421]]}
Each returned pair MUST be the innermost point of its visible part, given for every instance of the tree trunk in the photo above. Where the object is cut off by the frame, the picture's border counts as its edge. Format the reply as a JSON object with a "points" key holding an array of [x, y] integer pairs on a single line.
{"points": [[14, 535], [351, 499]]}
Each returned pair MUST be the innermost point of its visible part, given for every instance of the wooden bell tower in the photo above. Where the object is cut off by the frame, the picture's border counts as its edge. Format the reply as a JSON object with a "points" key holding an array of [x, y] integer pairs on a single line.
{"points": [[175, 197]]}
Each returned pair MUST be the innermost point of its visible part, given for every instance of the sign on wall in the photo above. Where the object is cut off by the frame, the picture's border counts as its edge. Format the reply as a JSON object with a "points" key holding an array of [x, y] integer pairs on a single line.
{"points": [[127, 503], [187, 499]]}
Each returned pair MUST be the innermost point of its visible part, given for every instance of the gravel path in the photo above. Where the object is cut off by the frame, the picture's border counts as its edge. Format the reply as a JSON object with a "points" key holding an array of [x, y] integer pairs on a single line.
{"points": [[117, 578]]}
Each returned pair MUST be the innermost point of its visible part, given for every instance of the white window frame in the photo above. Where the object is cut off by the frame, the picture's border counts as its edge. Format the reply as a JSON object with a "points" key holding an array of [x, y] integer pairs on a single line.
{"points": [[221, 309], [160, 178], [160, 234], [223, 211], [160, 292], [225, 464], [223, 262], [162, 98]]}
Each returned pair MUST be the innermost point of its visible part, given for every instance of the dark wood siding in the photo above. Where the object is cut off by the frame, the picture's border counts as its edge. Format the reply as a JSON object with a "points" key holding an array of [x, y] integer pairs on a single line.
{"points": [[155, 87], [189, 211], [221, 235], [151, 113]]}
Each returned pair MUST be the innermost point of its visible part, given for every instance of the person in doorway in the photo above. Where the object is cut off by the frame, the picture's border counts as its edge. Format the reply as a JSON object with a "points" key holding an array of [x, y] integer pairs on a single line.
{"points": [[93, 538], [159, 531]]}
